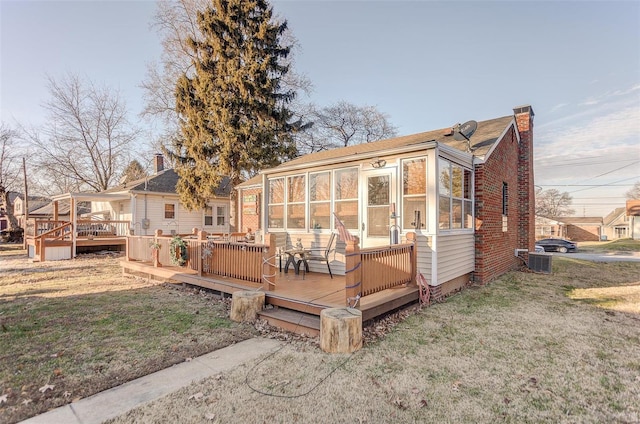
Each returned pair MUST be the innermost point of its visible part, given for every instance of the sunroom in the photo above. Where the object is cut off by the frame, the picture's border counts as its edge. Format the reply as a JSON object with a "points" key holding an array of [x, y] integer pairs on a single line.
{"points": [[380, 192]]}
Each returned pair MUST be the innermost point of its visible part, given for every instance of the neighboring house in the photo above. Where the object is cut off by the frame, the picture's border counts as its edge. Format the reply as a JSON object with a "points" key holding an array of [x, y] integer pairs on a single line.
{"points": [[152, 203], [470, 202], [138, 207], [4, 217], [64, 210], [588, 228], [550, 228], [616, 224], [633, 212], [35, 203]]}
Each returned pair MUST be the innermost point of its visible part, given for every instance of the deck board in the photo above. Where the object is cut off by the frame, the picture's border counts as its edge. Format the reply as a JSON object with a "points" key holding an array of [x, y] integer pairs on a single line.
{"points": [[309, 293]]}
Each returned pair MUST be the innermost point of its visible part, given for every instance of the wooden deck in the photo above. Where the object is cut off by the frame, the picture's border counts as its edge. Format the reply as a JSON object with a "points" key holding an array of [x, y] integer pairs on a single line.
{"points": [[308, 293]]}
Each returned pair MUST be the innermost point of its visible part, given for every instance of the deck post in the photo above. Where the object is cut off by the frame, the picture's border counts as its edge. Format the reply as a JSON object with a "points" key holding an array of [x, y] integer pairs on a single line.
{"points": [[353, 273], [126, 250], [411, 238], [269, 262], [202, 236]]}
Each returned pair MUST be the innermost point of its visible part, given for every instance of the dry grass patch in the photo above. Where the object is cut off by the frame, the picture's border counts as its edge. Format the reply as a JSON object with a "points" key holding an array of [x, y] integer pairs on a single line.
{"points": [[518, 350], [70, 329]]}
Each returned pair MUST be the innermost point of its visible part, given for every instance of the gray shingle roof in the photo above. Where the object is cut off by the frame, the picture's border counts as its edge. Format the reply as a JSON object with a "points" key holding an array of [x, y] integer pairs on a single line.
{"points": [[481, 143], [164, 182]]}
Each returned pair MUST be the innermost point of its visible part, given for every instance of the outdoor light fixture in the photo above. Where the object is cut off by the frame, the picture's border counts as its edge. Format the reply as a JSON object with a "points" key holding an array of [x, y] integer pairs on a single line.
{"points": [[378, 163]]}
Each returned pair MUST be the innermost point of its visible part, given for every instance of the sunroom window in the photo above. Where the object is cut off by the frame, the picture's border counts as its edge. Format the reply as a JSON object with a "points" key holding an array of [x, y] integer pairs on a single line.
{"points": [[320, 200], [455, 197], [346, 196], [276, 203], [296, 202], [414, 193]]}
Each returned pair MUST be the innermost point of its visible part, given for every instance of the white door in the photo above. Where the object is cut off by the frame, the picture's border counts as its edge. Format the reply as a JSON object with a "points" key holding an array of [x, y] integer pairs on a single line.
{"points": [[379, 194]]}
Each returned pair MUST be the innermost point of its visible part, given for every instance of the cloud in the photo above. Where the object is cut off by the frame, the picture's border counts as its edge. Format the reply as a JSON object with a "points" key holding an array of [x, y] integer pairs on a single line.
{"points": [[558, 106], [589, 102]]}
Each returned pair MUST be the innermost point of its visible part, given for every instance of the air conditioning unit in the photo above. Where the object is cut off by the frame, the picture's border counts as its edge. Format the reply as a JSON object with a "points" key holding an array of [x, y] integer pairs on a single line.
{"points": [[540, 262]]}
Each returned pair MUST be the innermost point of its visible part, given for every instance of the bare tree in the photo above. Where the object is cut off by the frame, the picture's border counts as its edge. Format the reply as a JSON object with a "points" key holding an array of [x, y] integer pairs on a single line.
{"points": [[552, 203], [9, 172], [634, 192], [86, 141], [343, 124]]}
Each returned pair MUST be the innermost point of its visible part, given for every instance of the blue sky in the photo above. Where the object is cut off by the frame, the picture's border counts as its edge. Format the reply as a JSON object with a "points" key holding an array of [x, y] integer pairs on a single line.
{"points": [[426, 64]]}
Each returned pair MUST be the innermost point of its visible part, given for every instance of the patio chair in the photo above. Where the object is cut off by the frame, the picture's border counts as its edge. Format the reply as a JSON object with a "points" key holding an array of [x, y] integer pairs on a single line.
{"points": [[321, 255]]}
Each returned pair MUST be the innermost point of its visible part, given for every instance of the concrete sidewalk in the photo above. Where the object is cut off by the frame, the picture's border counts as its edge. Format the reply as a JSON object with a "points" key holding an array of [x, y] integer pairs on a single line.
{"points": [[119, 400]]}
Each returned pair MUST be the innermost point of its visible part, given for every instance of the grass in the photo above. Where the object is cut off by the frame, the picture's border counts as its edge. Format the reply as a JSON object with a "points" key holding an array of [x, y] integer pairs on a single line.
{"points": [[82, 327], [527, 348], [621, 245]]}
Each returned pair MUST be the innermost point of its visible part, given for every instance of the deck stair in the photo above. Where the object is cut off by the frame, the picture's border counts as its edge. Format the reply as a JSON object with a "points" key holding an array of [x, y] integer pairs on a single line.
{"points": [[293, 321]]}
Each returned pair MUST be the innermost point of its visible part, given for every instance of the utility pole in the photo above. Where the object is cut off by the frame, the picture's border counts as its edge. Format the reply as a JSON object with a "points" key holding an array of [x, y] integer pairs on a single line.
{"points": [[26, 204]]}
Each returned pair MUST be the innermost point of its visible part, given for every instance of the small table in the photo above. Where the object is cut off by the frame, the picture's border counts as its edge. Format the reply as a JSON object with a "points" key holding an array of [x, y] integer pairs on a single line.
{"points": [[295, 257]]}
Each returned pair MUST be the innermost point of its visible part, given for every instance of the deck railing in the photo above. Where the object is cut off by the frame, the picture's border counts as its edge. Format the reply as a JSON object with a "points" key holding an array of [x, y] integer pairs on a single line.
{"points": [[60, 233], [84, 227], [369, 271], [107, 228], [36, 227], [218, 256]]}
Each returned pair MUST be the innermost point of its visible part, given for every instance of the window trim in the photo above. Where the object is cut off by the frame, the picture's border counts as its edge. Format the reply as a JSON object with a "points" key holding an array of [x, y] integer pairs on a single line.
{"points": [[450, 196], [425, 195], [175, 211]]}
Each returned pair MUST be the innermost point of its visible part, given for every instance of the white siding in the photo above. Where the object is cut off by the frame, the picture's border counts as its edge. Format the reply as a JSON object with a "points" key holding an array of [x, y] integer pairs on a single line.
{"points": [[455, 256], [425, 256], [183, 223], [57, 253]]}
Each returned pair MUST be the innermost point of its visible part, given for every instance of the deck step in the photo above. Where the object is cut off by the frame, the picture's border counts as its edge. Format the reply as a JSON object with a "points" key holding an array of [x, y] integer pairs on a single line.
{"points": [[294, 321]]}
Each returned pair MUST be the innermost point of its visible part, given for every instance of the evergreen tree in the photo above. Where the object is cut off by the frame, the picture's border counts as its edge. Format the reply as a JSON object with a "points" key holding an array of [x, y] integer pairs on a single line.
{"points": [[233, 109]]}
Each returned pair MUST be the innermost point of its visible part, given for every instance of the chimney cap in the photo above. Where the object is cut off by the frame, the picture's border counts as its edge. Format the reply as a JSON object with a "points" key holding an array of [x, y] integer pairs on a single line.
{"points": [[523, 109]]}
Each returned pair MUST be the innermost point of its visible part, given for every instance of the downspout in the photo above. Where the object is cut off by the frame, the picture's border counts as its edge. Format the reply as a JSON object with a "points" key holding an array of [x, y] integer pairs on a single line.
{"points": [[134, 214]]}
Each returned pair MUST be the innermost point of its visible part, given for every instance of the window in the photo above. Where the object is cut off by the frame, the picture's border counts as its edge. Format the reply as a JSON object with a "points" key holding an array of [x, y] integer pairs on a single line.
{"points": [[320, 200], [505, 199], [296, 202], [444, 204], [414, 193], [169, 211], [221, 215], [276, 203], [208, 215], [455, 196], [346, 197]]}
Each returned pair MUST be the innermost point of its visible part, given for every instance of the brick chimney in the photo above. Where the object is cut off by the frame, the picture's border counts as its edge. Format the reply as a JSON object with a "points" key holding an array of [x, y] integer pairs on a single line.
{"points": [[158, 163], [526, 192]]}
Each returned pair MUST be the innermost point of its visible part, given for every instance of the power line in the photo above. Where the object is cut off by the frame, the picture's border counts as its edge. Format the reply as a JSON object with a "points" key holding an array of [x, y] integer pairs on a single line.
{"points": [[614, 170], [587, 185], [613, 184], [568, 164]]}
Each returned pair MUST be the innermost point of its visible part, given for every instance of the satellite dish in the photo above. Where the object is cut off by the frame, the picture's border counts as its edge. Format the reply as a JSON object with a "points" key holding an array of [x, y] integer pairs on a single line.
{"points": [[465, 131], [123, 179]]}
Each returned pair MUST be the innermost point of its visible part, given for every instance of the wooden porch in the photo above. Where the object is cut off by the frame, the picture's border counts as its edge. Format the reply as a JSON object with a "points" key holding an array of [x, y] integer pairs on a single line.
{"points": [[55, 239], [382, 280]]}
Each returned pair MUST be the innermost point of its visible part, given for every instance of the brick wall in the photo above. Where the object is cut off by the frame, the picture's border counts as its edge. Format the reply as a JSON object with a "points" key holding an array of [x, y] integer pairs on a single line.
{"points": [[250, 220], [495, 247], [511, 163]]}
